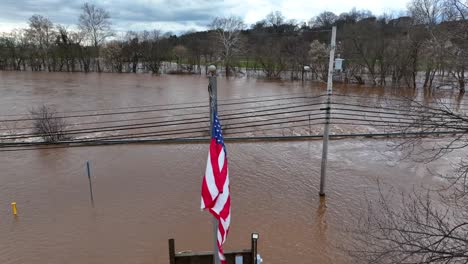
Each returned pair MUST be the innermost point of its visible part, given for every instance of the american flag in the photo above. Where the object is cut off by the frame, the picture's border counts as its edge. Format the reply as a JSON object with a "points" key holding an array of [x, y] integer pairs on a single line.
{"points": [[215, 187]]}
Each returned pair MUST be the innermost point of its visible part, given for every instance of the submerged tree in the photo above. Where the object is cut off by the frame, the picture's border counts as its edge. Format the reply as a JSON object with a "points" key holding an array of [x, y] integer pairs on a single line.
{"points": [[227, 31], [95, 23], [418, 227], [41, 35], [318, 54], [155, 49], [48, 124], [404, 229]]}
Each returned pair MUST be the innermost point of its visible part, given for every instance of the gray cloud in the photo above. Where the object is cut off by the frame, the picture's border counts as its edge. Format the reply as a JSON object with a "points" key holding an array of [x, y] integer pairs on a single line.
{"points": [[124, 13], [173, 15]]}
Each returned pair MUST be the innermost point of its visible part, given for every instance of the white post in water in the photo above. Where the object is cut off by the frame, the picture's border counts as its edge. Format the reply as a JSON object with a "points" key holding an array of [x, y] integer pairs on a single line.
{"points": [[213, 92], [326, 132]]}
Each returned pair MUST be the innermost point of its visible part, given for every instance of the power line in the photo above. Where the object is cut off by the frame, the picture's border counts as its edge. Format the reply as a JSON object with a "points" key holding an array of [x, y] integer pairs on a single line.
{"points": [[437, 111], [182, 129], [155, 110], [159, 117], [191, 131], [204, 139], [187, 104], [407, 123], [398, 99], [166, 123], [173, 132], [200, 119]]}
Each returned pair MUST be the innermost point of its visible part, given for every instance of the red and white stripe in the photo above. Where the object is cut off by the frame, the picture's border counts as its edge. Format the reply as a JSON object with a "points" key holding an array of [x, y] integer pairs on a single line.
{"points": [[215, 192]]}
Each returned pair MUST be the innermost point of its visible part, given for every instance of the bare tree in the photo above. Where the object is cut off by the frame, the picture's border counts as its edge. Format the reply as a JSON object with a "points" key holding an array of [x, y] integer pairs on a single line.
{"points": [[374, 49], [354, 15], [438, 118], [324, 20], [41, 34], [274, 43], [228, 36], [424, 226], [132, 50], [95, 22], [456, 9], [275, 19], [48, 124], [433, 58], [365, 46], [428, 12], [155, 49], [14, 50], [404, 229], [68, 47], [112, 54], [455, 32], [318, 54], [179, 51]]}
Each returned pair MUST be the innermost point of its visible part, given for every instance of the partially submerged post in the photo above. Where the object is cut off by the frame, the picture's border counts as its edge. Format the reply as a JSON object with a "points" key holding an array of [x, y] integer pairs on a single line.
{"points": [[326, 132], [13, 208], [172, 253], [88, 171], [213, 93]]}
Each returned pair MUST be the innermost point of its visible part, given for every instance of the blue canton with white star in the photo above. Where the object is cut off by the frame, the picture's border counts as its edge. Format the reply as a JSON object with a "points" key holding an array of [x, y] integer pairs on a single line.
{"points": [[217, 133]]}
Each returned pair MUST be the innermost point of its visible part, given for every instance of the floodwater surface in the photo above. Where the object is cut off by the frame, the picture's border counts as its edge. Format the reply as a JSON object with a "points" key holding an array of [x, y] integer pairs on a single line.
{"points": [[147, 193]]}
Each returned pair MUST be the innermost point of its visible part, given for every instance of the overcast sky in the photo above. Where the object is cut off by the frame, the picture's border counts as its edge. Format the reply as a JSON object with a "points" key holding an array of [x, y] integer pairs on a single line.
{"points": [[179, 16]]}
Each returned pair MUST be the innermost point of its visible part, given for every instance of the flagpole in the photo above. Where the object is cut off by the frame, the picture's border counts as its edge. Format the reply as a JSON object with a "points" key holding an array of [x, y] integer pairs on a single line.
{"points": [[213, 93]]}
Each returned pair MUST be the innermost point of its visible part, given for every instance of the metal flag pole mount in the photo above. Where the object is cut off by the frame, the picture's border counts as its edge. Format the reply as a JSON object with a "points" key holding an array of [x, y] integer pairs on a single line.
{"points": [[213, 93], [326, 132]]}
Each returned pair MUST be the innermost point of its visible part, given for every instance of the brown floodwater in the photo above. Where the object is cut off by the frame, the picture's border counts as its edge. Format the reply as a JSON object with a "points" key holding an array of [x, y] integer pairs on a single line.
{"points": [[147, 193]]}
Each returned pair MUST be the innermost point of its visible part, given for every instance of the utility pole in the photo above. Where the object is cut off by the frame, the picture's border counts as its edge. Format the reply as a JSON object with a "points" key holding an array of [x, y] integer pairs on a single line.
{"points": [[213, 92], [326, 132]]}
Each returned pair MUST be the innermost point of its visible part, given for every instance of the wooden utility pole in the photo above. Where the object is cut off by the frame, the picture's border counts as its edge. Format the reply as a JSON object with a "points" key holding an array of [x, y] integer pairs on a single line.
{"points": [[326, 132]]}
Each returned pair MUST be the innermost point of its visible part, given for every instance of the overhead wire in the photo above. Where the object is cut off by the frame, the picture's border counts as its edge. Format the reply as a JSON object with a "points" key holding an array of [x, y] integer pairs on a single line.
{"points": [[171, 104], [408, 100], [147, 111], [168, 122], [160, 109], [387, 118], [172, 132], [159, 117]]}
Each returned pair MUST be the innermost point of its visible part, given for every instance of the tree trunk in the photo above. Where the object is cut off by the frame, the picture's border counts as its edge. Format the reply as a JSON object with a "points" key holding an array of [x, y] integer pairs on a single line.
{"points": [[359, 80], [426, 78], [135, 64], [461, 80], [461, 83], [432, 78], [414, 57]]}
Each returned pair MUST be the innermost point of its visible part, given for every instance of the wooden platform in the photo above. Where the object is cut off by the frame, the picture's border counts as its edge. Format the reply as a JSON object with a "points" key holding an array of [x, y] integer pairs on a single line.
{"points": [[248, 255]]}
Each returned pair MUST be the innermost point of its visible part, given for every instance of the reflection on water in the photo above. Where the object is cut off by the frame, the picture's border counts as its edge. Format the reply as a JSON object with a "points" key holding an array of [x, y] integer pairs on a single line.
{"points": [[322, 226], [145, 194]]}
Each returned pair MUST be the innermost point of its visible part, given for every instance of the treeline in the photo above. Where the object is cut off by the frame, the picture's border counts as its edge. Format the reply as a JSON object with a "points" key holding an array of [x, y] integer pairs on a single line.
{"points": [[429, 44]]}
